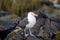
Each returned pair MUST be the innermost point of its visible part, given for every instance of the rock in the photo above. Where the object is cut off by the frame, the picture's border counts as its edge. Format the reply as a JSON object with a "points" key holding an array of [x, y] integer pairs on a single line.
{"points": [[19, 36], [7, 24]]}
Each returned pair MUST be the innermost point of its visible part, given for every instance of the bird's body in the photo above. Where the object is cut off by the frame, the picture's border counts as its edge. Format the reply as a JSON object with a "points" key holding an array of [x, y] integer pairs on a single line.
{"points": [[32, 21], [28, 22]]}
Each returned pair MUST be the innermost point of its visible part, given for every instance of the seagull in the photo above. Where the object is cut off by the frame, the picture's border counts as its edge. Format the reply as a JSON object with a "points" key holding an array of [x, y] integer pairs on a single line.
{"points": [[28, 22]]}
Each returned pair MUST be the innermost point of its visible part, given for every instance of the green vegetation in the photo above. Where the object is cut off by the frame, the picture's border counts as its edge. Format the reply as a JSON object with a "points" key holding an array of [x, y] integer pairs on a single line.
{"points": [[19, 7], [1, 27]]}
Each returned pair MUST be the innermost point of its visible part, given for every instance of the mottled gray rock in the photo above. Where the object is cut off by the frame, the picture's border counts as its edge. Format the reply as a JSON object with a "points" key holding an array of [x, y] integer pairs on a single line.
{"points": [[45, 28], [8, 21], [19, 36], [7, 24]]}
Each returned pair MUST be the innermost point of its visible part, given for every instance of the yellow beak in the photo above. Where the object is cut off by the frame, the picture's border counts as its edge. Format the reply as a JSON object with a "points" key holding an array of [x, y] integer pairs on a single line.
{"points": [[35, 14]]}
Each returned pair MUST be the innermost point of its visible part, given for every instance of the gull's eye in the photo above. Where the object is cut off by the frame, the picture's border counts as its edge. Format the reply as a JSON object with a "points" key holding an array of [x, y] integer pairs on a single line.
{"points": [[31, 14]]}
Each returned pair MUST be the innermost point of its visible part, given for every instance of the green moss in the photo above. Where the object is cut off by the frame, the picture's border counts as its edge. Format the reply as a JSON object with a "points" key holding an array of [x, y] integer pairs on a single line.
{"points": [[1, 27], [57, 37]]}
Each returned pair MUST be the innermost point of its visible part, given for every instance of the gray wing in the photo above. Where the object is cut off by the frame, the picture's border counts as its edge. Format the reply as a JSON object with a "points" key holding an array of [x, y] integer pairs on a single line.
{"points": [[23, 23]]}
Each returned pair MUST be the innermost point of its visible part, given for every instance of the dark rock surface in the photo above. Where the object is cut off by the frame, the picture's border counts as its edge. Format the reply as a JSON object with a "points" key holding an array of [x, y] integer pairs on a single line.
{"points": [[7, 24], [45, 28]]}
